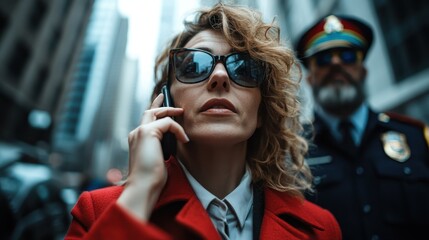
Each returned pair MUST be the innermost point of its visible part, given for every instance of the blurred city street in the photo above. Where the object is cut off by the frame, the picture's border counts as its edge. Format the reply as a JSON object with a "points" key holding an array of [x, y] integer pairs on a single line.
{"points": [[76, 76]]}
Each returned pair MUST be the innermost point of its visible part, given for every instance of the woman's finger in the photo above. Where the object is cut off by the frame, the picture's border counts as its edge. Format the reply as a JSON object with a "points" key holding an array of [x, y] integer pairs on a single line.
{"points": [[156, 111], [157, 102], [167, 124], [148, 115]]}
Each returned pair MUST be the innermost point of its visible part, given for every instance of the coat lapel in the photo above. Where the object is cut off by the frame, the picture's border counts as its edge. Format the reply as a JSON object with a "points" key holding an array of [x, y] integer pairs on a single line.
{"points": [[191, 216], [286, 217], [195, 217]]}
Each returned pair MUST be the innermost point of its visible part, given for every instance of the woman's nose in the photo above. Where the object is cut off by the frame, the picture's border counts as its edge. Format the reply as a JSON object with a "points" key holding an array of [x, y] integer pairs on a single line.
{"points": [[219, 78]]}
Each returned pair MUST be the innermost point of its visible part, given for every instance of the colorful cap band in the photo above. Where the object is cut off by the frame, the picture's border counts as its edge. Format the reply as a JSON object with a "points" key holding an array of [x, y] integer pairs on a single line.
{"points": [[334, 32]]}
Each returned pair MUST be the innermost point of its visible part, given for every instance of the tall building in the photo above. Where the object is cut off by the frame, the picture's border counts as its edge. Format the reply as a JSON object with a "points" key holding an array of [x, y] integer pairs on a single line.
{"points": [[87, 115], [38, 42]]}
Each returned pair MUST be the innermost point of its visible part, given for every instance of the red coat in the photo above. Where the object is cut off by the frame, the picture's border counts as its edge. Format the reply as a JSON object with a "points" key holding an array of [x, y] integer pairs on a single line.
{"points": [[179, 214]]}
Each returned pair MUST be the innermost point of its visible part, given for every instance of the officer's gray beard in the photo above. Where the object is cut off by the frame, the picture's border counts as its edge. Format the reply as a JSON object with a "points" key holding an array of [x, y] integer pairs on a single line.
{"points": [[340, 99]]}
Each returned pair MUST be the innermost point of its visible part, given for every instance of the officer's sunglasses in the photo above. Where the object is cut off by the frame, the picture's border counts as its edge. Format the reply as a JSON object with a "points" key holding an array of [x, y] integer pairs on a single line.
{"points": [[196, 65], [346, 55]]}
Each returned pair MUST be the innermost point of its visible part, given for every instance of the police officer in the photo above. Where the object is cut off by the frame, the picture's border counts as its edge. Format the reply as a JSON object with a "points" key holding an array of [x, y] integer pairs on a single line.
{"points": [[371, 170]]}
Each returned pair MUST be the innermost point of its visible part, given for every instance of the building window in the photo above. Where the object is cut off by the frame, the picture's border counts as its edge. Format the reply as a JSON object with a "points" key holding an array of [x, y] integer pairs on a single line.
{"points": [[53, 41], [8, 6], [40, 82], [37, 14], [405, 26], [56, 99], [6, 105], [66, 7], [4, 21], [18, 60]]}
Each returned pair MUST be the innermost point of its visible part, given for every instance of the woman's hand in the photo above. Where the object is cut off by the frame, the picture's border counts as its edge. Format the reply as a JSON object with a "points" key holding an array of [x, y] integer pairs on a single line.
{"points": [[147, 172]]}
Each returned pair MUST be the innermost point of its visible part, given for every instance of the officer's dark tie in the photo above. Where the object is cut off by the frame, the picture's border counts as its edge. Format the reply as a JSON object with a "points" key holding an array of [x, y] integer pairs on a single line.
{"points": [[345, 127]]}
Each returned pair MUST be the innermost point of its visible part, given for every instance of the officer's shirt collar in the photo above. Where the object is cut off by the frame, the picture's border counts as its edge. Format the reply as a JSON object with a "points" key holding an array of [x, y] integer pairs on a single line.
{"points": [[359, 119]]}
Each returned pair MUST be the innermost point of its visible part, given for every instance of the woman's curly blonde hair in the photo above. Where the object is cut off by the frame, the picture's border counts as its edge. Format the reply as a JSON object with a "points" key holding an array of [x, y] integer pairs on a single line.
{"points": [[276, 150]]}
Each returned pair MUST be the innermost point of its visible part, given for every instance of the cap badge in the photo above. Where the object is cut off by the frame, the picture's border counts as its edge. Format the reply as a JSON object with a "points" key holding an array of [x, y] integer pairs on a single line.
{"points": [[395, 146], [333, 24]]}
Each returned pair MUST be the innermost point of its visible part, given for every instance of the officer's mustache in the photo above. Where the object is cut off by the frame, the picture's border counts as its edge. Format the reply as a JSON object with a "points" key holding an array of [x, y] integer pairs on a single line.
{"points": [[335, 70]]}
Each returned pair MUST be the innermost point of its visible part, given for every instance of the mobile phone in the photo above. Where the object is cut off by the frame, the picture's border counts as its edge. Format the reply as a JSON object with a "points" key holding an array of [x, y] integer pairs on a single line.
{"points": [[168, 142]]}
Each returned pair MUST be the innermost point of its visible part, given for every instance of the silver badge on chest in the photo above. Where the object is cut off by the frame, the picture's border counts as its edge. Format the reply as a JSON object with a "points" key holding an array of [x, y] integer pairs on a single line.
{"points": [[395, 146]]}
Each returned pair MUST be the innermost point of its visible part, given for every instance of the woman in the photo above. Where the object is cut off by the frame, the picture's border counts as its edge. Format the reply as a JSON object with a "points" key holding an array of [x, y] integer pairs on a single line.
{"points": [[238, 171]]}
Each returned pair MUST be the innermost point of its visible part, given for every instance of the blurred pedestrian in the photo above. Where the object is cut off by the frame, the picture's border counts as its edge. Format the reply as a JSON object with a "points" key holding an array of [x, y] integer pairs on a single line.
{"points": [[371, 170]]}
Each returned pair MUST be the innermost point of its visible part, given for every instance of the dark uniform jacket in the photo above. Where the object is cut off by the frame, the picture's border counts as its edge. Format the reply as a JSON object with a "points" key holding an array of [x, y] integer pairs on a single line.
{"points": [[382, 190]]}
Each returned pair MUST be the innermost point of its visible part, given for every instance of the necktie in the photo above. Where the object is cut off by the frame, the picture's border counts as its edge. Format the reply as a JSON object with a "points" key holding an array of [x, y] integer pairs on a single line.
{"points": [[217, 211], [345, 128]]}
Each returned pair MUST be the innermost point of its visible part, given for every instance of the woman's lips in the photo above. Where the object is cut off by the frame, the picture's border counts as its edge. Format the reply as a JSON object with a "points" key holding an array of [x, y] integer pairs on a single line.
{"points": [[218, 105]]}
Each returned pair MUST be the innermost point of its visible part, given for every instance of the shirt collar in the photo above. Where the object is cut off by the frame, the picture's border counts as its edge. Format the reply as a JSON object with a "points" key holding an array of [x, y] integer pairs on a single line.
{"points": [[359, 120], [240, 199]]}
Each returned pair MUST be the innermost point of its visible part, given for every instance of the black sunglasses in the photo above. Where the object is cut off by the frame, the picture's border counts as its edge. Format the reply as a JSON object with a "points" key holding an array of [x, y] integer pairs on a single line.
{"points": [[196, 65], [347, 56]]}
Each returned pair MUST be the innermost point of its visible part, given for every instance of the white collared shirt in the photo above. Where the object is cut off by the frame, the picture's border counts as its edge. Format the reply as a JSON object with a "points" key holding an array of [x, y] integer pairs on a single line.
{"points": [[240, 200]]}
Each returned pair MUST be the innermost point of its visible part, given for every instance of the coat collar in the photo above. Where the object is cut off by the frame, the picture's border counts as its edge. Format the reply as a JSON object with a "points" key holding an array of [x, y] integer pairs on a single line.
{"points": [[178, 190], [177, 187], [284, 204], [278, 208]]}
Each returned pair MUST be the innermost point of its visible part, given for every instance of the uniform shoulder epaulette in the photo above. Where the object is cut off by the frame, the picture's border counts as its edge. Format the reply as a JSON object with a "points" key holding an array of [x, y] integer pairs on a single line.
{"points": [[386, 117]]}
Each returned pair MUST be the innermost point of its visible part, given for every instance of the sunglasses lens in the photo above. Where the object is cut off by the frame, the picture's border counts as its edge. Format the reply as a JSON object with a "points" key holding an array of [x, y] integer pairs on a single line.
{"points": [[243, 70], [348, 56], [192, 66], [323, 58]]}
